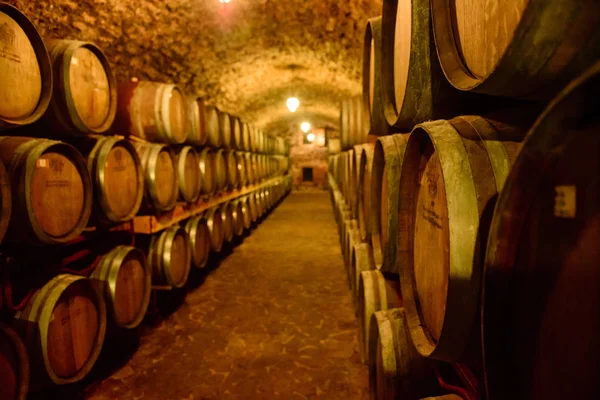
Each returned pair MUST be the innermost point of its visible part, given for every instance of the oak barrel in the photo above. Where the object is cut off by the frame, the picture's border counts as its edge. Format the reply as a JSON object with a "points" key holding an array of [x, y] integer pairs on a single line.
{"points": [[220, 171], [63, 326], [396, 370], [84, 99], [188, 174], [14, 364], [239, 219], [152, 111], [245, 209], [206, 161], [451, 175], [371, 78], [197, 121], [515, 48], [169, 257], [225, 129], [214, 221], [117, 177], [160, 175], [388, 157], [124, 279], [236, 133], [228, 221], [245, 137], [364, 192], [51, 190], [26, 71], [233, 176], [361, 259], [212, 126], [376, 292], [199, 238], [252, 207], [541, 303], [240, 160], [249, 168]]}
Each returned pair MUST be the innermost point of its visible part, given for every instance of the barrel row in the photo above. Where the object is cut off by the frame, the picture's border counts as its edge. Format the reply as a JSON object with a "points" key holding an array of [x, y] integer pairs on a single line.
{"points": [[468, 231], [69, 89], [59, 333]]}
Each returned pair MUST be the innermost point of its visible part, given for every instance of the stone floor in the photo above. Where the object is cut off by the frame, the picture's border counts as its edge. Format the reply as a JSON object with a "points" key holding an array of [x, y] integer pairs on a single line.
{"points": [[273, 320]]}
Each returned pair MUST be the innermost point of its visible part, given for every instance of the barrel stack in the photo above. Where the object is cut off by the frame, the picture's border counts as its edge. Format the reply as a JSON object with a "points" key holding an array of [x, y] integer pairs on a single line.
{"points": [[458, 204], [138, 182]]}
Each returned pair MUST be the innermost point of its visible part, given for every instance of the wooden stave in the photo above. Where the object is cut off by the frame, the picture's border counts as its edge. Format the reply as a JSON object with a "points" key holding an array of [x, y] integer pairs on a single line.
{"points": [[554, 131], [463, 295], [354, 174], [242, 169], [212, 126], [197, 135], [38, 310], [159, 258], [359, 124], [225, 129], [233, 175], [191, 228], [361, 260], [148, 157], [236, 133], [376, 292], [206, 164], [22, 359], [252, 207], [62, 116], [129, 106], [239, 219], [214, 220], [185, 194], [45, 69], [408, 374], [378, 123], [228, 221], [518, 59], [388, 153], [104, 279], [220, 170], [96, 163], [364, 192], [25, 151]]}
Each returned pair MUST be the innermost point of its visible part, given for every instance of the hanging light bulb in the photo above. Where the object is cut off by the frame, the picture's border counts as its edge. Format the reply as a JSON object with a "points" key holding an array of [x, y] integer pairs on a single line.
{"points": [[293, 104], [305, 126], [310, 137]]}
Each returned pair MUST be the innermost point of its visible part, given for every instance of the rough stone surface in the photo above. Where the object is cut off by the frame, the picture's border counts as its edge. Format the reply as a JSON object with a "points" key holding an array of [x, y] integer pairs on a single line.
{"points": [[247, 56], [274, 320]]}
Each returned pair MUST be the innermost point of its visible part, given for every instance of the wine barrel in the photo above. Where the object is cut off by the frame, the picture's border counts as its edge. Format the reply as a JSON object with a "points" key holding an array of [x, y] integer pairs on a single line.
{"points": [[252, 207], [371, 79], [496, 51], [541, 281], [206, 161], [214, 221], [451, 174], [349, 234], [239, 218], [249, 168], [245, 136], [188, 174], [225, 129], [247, 214], [376, 292], [84, 100], [117, 177], [240, 160], [63, 326], [14, 364], [388, 157], [160, 175], [365, 168], [354, 174], [236, 133], [199, 238], [51, 190], [155, 112], [26, 77], [413, 85], [232, 171], [212, 126], [361, 260], [345, 124], [348, 184], [220, 175], [124, 279], [197, 121], [169, 257], [396, 370], [5, 201], [228, 221]]}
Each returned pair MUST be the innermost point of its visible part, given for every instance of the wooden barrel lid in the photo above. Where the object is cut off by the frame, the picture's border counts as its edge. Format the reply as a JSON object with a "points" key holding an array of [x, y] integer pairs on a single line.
{"points": [[199, 238], [188, 170], [225, 129], [165, 176], [179, 258], [122, 181], [177, 115], [214, 220], [20, 76], [228, 221], [130, 291], [90, 88], [207, 170]]}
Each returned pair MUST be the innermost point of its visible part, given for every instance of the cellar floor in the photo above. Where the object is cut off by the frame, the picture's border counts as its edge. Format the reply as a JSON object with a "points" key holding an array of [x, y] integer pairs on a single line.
{"points": [[273, 320]]}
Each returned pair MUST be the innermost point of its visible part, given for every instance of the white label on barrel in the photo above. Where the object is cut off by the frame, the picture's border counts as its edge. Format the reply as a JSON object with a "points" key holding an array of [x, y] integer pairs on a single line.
{"points": [[42, 163], [565, 202]]}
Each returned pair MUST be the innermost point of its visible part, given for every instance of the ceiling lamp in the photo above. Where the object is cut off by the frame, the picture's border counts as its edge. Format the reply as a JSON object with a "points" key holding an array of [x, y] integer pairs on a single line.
{"points": [[305, 126], [310, 137], [293, 104]]}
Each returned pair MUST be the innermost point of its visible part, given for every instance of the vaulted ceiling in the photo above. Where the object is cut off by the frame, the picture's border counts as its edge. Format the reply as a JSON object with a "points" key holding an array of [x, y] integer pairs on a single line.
{"points": [[247, 56]]}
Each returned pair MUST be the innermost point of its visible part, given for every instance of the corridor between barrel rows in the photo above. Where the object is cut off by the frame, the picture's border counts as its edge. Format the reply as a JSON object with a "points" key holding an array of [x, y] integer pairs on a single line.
{"points": [[273, 320]]}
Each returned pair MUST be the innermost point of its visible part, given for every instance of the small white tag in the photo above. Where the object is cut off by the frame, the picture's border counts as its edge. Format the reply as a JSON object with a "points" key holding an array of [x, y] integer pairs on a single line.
{"points": [[565, 202], [42, 163]]}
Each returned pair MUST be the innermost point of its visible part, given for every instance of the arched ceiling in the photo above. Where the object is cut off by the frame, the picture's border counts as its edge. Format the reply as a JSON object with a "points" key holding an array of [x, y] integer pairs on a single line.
{"points": [[247, 56]]}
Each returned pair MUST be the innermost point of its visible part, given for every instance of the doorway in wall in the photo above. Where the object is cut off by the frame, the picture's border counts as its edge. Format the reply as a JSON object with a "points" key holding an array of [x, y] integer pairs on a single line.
{"points": [[307, 174]]}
